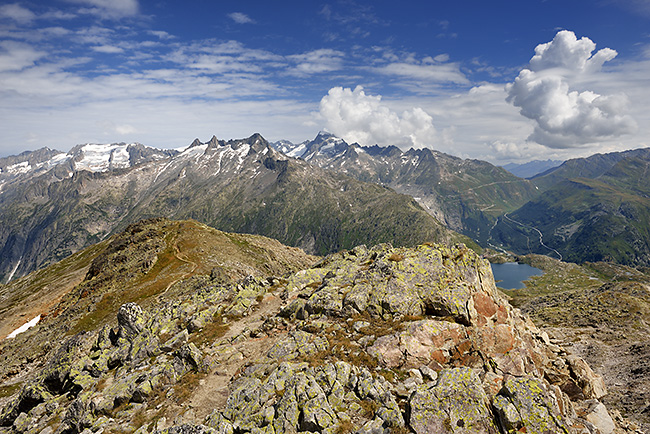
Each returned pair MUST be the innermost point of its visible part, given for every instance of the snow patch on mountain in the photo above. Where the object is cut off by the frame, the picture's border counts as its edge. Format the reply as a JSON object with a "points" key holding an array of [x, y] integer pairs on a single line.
{"points": [[55, 161], [298, 152], [226, 154], [100, 158], [23, 328], [13, 271], [16, 169], [241, 153], [193, 152]]}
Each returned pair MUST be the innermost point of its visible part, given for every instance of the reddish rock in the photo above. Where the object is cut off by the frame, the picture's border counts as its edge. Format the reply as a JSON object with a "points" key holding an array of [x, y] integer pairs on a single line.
{"points": [[484, 304]]}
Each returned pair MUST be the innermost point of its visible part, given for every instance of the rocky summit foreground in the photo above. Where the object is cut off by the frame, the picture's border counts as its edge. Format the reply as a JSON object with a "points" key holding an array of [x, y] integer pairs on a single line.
{"points": [[369, 341]]}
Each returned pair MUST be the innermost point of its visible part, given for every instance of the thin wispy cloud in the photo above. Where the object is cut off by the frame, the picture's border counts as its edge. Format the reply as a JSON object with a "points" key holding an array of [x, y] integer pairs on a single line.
{"points": [[162, 35], [439, 73], [353, 20], [639, 7], [241, 18], [316, 62], [108, 9], [16, 56], [349, 12], [16, 12], [109, 49]]}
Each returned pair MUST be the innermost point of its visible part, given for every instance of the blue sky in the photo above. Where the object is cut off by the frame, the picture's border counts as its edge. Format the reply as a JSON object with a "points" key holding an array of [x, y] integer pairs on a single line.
{"points": [[502, 81]]}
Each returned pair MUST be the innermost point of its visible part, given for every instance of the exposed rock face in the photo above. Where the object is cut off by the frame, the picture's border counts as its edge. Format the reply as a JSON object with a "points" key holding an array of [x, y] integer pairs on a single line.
{"points": [[368, 341]]}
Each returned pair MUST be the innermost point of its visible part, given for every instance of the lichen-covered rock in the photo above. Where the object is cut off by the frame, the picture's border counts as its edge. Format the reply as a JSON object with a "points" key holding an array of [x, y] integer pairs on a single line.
{"points": [[176, 341], [457, 403], [191, 355], [295, 310], [409, 282], [298, 343], [131, 321], [422, 343], [372, 340], [536, 407], [248, 291], [244, 408], [375, 426], [29, 397], [188, 429], [77, 417]]}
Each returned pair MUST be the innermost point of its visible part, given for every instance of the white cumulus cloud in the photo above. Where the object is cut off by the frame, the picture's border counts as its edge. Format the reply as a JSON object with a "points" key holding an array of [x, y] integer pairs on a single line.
{"points": [[357, 117], [564, 117]]}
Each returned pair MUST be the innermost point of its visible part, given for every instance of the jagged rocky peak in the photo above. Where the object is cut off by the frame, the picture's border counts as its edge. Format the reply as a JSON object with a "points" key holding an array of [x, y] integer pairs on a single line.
{"points": [[324, 136], [376, 150], [195, 143], [213, 142], [30, 157], [139, 154], [369, 340], [257, 143], [28, 162], [327, 143]]}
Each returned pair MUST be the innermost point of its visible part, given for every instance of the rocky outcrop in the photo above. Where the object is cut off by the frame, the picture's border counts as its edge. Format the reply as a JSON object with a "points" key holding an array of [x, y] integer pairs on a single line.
{"points": [[367, 341]]}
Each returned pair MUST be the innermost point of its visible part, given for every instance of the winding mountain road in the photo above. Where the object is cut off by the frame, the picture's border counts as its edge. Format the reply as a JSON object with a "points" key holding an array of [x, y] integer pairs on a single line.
{"points": [[541, 240]]}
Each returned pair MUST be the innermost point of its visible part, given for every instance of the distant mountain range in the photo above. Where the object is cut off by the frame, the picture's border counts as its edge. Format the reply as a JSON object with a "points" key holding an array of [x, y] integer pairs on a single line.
{"points": [[53, 204], [467, 195], [531, 168]]}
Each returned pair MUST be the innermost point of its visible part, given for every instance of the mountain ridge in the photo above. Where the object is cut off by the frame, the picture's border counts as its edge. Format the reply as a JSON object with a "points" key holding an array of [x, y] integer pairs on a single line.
{"points": [[467, 195], [589, 167], [599, 218], [237, 185]]}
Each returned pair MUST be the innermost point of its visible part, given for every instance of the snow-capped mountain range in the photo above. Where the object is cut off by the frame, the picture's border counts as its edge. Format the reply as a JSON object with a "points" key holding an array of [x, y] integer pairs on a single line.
{"points": [[52, 204], [325, 143], [91, 157], [323, 195]]}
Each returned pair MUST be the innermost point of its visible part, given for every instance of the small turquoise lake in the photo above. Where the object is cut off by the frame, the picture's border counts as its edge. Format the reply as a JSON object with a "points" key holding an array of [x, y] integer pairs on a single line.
{"points": [[511, 275]]}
